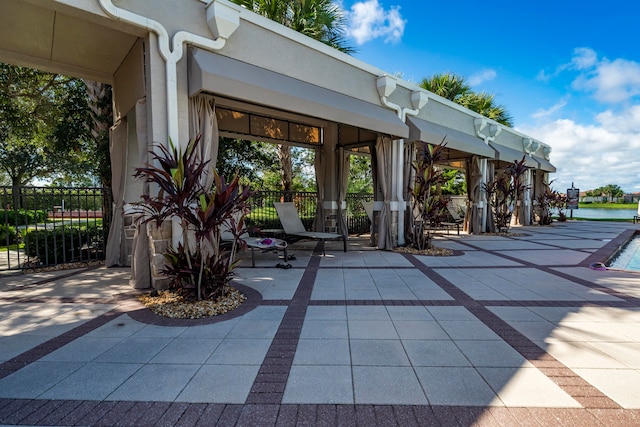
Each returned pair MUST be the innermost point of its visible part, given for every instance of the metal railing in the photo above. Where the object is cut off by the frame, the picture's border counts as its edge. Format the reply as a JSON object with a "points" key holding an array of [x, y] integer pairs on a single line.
{"points": [[264, 217], [44, 226]]}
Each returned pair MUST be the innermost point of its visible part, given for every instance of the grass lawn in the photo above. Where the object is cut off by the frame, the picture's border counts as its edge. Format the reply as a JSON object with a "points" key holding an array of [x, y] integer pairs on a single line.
{"points": [[609, 205]]}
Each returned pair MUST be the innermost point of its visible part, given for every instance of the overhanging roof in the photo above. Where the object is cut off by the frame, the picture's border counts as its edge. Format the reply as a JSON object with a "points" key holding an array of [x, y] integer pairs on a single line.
{"points": [[510, 155], [217, 74], [544, 164], [422, 130]]}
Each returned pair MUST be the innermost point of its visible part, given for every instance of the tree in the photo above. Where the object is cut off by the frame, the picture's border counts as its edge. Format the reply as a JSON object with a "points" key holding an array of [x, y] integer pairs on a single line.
{"points": [[613, 191], [360, 179], [100, 106], [43, 125], [322, 20], [447, 85], [454, 88], [251, 160]]}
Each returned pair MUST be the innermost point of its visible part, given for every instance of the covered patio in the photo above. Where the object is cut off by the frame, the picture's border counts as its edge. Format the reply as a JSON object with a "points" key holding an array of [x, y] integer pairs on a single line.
{"points": [[210, 67]]}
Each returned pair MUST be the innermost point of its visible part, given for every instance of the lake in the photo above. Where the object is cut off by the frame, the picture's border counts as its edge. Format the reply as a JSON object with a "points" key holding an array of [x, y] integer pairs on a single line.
{"points": [[595, 213]]}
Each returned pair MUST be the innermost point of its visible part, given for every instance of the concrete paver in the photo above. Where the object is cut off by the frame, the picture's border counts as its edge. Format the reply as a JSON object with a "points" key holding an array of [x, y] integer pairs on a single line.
{"points": [[510, 328]]}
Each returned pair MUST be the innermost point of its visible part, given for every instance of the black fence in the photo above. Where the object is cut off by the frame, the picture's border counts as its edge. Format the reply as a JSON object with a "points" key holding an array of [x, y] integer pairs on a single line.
{"points": [[44, 226], [264, 217]]}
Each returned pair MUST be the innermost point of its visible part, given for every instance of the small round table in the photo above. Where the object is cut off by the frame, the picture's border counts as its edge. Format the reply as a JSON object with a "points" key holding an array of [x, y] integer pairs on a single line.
{"points": [[265, 244]]}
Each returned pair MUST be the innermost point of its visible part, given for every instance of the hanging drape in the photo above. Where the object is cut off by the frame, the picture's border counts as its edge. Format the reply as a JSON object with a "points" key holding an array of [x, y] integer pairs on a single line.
{"points": [[491, 226], [140, 259], [526, 204], [474, 183], [343, 183], [377, 193], [408, 175], [383, 154], [115, 249], [319, 165], [203, 122]]}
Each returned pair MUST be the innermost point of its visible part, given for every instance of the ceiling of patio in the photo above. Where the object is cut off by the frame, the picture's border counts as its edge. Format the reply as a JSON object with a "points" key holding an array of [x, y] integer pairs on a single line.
{"points": [[52, 37]]}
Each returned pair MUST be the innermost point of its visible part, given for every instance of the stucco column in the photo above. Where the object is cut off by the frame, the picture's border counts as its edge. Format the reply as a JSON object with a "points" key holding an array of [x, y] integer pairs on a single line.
{"points": [[330, 183]]}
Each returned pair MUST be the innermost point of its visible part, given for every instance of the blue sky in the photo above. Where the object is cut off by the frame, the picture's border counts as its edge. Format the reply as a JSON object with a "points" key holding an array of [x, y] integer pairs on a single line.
{"points": [[567, 71]]}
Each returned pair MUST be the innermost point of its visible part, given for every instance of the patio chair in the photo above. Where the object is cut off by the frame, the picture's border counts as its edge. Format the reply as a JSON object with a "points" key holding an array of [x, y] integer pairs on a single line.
{"points": [[636, 217], [457, 221], [292, 225]]}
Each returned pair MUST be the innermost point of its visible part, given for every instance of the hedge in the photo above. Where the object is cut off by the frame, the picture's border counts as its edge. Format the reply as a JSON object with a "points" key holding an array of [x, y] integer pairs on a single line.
{"points": [[62, 244], [22, 216]]}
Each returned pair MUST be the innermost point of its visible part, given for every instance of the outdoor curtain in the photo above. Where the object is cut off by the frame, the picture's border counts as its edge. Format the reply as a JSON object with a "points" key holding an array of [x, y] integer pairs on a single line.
{"points": [[490, 225], [474, 183], [203, 121], [377, 194], [343, 183], [115, 249], [383, 154], [319, 165], [140, 250], [408, 178]]}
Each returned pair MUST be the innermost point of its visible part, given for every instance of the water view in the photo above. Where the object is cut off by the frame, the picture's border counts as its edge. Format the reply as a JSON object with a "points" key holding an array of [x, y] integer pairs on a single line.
{"points": [[599, 213]]}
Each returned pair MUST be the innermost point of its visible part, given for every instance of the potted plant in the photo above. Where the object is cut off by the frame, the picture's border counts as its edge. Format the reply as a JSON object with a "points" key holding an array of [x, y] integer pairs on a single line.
{"points": [[200, 266], [427, 206]]}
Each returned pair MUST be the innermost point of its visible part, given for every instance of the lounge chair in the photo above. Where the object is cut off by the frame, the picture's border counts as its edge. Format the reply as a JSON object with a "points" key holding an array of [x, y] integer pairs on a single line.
{"points": [[457, 221], [292, 225], [636, 217], [253, 243]]}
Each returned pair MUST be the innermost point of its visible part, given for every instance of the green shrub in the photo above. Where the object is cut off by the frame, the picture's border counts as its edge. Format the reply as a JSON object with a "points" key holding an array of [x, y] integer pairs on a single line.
{"points": [[63, 244], [22, 216], [8, 235]]}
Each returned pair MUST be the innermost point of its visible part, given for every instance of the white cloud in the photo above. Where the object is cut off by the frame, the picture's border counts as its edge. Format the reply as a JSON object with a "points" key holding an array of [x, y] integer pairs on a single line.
{"points": [[594, 155], [368, 20], [611, 81], [542, 113], [608, 81], [583, 58], [482, 76]]}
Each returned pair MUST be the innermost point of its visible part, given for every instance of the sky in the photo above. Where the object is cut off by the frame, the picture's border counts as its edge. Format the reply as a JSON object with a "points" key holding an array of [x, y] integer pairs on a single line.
{"points": [[567, 71]]}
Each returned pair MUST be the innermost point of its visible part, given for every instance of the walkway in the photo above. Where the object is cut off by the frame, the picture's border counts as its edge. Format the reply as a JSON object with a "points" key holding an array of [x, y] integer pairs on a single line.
{"points": [[510, 331]]}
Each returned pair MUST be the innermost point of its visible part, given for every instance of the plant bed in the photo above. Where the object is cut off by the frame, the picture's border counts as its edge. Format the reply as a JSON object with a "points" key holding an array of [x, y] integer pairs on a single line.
{"points": [[432, 251], [175, 306]]}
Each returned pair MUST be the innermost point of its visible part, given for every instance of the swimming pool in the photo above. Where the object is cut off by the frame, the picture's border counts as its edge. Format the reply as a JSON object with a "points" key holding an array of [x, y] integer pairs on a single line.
{"points": [[629, 256]]}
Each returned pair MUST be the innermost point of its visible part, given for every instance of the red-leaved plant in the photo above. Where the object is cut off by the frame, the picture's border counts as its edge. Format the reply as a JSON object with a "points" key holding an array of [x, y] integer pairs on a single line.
{"points": [[202, 268]]}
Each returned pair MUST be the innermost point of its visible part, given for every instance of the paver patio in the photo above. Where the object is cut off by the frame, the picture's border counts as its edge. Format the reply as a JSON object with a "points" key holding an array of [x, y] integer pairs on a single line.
{"points": [[510, 331]]}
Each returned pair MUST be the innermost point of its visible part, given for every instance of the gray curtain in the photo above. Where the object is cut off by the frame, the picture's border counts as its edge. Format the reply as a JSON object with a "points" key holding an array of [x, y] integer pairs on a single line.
{"points": [[115, 249], [383, 154], [140, 260], [408, 181], [319, 165], [474, 181], [491, 227], [203, 121], [377, 194], [343, 183]]}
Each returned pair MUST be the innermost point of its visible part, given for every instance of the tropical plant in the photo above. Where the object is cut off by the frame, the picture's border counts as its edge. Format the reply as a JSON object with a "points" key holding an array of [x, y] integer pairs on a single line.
{"points": [[426, 204], [201, 268], [545, 203], [504, 192]]}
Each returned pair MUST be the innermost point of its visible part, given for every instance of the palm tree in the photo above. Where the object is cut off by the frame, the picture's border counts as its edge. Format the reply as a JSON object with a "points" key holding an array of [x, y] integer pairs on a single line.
{"points": [[99, 97], [321, 20], [447, 85], [454, 88], [484, 103]]}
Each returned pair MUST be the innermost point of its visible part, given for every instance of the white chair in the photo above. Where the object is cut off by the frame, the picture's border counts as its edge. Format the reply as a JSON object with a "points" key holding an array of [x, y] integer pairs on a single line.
{"points": [[457, 221], [292, 225], [636, 217]]}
